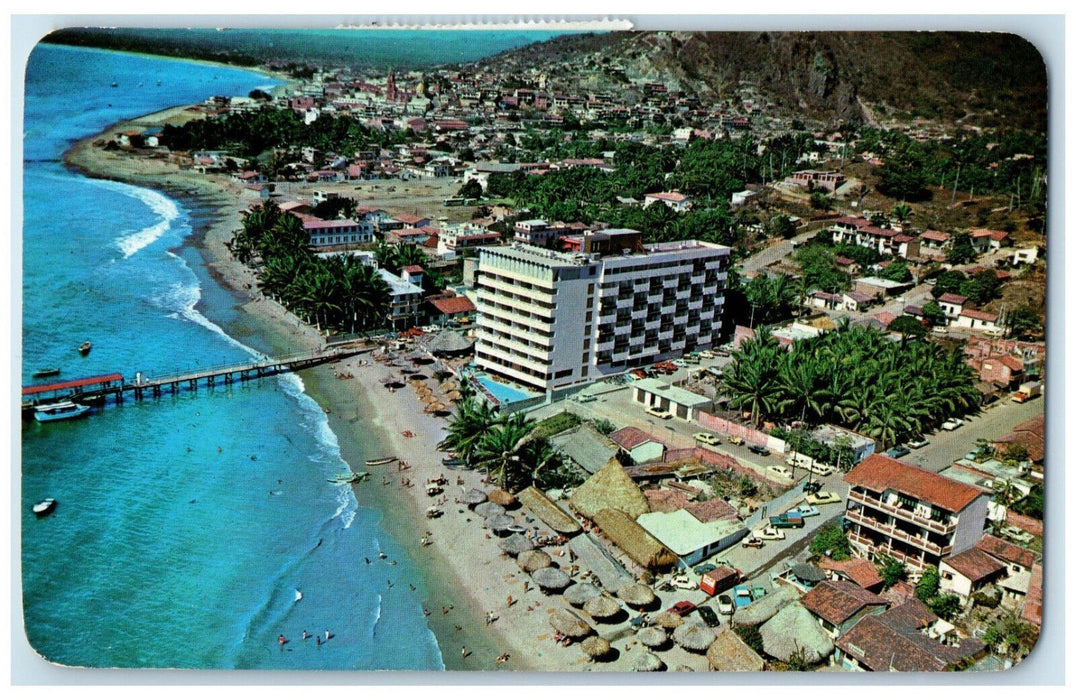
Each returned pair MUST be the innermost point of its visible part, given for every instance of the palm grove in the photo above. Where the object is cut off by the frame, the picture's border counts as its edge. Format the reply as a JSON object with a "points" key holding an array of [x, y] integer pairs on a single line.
{"points": [[853, 377]]}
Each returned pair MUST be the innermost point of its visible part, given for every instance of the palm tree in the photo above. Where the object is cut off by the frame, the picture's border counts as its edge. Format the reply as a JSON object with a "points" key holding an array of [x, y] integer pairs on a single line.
{"points": [[752, 383], [472, 420], [902, 212], [507, 450]]}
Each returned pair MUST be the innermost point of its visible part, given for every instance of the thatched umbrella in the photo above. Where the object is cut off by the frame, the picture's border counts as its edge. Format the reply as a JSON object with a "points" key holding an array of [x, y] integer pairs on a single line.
{"points": [[568, 623], [648, 662], [595, 647], [500, 523], [652, 636], [551, 579], [515, 544], [636, 594], [694, 638], [502, 497], [667, 619], [488, 510], [578, 594], [449, 385], [602, 607], [473, 497], [533, 560], [453, 396]]}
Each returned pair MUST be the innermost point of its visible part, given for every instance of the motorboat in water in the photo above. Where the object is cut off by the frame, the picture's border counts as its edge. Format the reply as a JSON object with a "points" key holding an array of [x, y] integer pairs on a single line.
{"points": [[61, 410], [47, 372], [43, 508], [85, 348]]}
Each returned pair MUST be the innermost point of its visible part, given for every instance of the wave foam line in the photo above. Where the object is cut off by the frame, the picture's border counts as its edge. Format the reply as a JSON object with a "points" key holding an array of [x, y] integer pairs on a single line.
{"points": [[159, 204]]}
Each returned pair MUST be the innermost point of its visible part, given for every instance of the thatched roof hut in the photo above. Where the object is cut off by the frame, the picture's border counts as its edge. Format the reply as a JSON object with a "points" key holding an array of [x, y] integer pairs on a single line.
{"points": [[515, 544], [667, 619], [501, 497], [730, 653], [533, 559], [547, 511], [578, 594], [601, 607], [636, 594], [449, 344], [610, 487], [694, 637], [648, 662], [473, 497], [636, 542], [652, 637], [765, 607], [551, 579], [568, 623], [595, 647], [488, 510], [793, 630]]}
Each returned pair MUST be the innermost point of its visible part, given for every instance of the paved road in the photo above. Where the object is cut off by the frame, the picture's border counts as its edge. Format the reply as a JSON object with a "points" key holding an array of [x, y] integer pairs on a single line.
{"points": [[995, 421], [777, 251]]}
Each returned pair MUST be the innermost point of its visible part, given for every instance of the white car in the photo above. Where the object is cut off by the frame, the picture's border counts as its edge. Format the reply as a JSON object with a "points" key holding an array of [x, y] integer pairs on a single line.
{"points": [[917, 443], [783, 472], [822, 469], [658, 413], [952, 424], [769, 533], [807, 511], [707, 355], [682, 581], [708, 438]]}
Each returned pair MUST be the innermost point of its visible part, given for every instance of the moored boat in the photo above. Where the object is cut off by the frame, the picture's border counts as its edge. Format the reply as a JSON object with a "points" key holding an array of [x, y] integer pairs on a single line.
{"points": [[61, 410], [85, 348], [43, 508], [379, 461], [47, 372]]}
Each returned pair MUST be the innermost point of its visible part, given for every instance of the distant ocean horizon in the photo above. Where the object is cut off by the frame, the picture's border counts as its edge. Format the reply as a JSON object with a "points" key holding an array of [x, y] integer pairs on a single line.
{"points": [[193, 530]]}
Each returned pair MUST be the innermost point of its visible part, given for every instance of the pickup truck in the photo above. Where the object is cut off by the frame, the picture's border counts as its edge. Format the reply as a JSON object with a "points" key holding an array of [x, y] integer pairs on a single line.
{"points": [[742, 595], [786, 520], [1028, 390]]}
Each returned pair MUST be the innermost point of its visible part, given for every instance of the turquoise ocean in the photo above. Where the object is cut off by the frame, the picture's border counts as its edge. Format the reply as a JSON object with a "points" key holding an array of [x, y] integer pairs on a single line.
{"points": [[193, 530]]}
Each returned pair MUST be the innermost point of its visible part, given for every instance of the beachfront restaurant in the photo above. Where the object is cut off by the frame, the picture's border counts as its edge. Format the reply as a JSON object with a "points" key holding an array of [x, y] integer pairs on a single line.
{"points": [[689, 539]]}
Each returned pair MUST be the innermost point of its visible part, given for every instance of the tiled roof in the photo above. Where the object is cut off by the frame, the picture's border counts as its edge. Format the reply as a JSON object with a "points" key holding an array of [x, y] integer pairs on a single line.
{"points": [[936, 236], [1033, 603], [837, 601], [453, 305], [880, 472], [979, 315], [1006, 551], [860, 571], [668, 196], [882, 645], [631, 437], [912, 613], [952, 298], [975, 564]]}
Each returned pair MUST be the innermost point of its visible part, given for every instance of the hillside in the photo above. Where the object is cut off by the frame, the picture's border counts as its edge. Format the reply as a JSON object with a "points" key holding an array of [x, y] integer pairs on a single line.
{"points": [[981, 79]]}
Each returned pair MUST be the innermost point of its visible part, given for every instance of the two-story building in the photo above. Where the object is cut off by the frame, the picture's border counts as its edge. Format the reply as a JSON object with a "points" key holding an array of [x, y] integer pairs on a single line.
{"points": [[839, 605], [910, 513], [674, 200]]}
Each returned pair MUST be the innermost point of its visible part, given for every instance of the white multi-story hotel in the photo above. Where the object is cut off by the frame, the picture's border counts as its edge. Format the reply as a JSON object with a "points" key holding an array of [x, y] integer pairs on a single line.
{"points": [[552, 319]]}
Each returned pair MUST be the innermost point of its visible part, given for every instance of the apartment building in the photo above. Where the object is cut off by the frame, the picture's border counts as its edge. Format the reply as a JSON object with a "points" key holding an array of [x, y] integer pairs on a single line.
{"points": [[552, 319], [912, 514]]}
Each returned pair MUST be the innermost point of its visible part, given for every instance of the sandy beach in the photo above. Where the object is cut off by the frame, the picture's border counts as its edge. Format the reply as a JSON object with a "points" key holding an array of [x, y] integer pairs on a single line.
{"points": [[466, 573]]}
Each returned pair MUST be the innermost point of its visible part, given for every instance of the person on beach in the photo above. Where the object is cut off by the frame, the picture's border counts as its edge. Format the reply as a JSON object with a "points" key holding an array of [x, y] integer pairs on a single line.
{"points": [[328, 635], [464, 653], [306, 635]]}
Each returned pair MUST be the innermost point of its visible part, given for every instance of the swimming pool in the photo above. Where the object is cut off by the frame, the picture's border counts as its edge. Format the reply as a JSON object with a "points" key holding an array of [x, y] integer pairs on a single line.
{"points": [[505, 393]]}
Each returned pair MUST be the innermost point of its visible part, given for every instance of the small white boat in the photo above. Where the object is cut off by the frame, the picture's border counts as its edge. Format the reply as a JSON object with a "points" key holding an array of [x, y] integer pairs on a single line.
{"points": [[379, 461], [43, 508], [61, 410]]}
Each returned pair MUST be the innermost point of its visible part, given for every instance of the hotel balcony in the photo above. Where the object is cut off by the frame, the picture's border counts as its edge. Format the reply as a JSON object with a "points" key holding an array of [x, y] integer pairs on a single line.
{"points": [[946, 527], [895, 532], [917, 562]]}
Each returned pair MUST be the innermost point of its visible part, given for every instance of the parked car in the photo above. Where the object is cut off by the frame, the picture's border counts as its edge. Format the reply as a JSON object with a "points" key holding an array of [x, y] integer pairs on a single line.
{"points": [[752, 542], [783, 472], [807, 511], [735, 440], [684, 582], [682, 608], [786, 520], [658, 413], [822, 469], [742, 595], [952, 424], [918, 442], [708, 438], [708, 615], [768, 533], [704, 568], [725, 604], [898, 451], [707, 355], [822, 497], [759, 450]]}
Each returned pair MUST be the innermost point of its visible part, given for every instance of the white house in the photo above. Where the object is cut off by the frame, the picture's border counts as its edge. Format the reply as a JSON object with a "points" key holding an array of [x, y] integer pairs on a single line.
{"points": [[674, 200]]}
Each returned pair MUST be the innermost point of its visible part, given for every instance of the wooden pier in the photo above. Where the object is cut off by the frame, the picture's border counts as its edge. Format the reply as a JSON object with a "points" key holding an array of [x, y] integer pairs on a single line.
{"points": [[95, 391]]}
